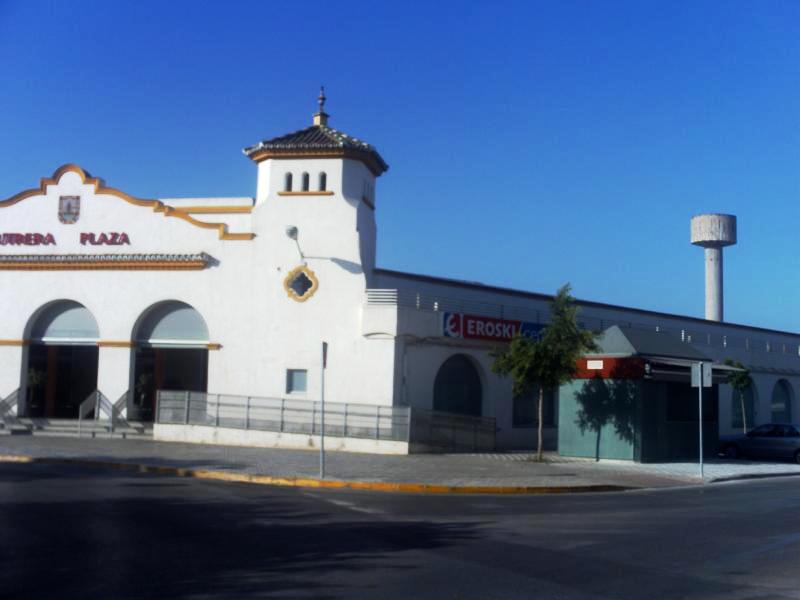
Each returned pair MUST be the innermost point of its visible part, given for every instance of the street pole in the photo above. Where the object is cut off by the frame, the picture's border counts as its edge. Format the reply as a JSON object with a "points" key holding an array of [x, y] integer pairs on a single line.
{"points": [[702, 376], [322, 417], [700, 420]]}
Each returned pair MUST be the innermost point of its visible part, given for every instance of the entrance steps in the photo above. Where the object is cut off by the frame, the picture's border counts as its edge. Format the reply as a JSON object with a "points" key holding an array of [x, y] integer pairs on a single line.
{"points": [[14, 428], [87, 428]]}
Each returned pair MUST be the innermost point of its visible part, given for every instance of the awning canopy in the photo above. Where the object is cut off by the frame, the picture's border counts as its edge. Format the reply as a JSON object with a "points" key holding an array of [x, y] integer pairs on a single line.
{"points": [[666, 355]]}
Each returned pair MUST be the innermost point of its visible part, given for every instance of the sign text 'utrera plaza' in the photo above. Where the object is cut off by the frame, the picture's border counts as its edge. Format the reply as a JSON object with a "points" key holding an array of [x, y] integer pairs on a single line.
{"points": [[474, 327], [111, 238]]}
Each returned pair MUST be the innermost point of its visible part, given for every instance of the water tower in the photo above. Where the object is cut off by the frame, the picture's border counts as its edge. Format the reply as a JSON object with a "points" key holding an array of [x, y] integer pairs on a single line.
{"points": [[713, 232]]}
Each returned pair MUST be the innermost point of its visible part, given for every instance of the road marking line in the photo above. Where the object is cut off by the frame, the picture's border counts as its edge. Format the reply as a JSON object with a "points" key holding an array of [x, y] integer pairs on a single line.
{"points": [[14, 458]]}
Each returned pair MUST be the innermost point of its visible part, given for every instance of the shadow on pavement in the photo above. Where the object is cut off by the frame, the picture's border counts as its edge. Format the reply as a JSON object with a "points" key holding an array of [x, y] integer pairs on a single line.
{"points": [[94, 533]]}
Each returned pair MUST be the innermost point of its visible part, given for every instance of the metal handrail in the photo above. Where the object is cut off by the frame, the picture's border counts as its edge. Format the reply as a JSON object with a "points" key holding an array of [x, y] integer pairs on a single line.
{"points": [[117, 409], [8, 406], [87, 406], [286, 415]]}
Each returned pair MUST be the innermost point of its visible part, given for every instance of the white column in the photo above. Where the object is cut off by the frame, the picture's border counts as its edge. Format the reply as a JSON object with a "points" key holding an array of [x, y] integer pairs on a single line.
{"points": [[713, 283], [113, 372]]}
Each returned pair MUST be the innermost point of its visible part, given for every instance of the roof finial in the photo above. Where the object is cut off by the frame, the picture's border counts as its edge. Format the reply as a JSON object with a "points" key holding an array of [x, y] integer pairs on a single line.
{"points": [[321, 117]]}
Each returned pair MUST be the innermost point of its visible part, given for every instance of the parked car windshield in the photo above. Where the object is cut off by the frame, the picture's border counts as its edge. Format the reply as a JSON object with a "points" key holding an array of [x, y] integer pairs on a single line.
{"points": [[786, 431], [763, 431]]}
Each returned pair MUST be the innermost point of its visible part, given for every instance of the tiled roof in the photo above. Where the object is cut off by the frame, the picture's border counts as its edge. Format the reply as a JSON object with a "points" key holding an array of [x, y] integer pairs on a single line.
{"points": [[317, 138]]}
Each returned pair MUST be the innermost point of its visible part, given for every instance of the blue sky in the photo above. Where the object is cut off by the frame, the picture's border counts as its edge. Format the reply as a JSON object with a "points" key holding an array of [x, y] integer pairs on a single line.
{"points": [[530, 143]]}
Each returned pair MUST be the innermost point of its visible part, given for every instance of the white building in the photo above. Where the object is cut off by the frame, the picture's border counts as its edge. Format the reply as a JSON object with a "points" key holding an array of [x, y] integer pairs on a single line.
{"points": [[110, 292]]}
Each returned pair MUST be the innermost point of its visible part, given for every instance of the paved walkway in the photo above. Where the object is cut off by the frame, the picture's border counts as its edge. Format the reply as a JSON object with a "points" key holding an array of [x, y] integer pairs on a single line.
{"points": [[457, 470]]}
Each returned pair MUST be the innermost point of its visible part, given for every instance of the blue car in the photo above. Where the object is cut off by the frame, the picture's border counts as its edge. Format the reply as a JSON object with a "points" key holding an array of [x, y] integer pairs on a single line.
{"points": [[772, 440]]}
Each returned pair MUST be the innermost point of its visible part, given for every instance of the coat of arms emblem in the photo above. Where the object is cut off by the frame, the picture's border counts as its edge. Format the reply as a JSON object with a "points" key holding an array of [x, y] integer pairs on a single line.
{"points": [[69, 209]]}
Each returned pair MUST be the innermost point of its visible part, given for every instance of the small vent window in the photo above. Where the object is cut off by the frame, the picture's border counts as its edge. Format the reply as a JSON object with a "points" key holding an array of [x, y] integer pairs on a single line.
{"points": [[296, 381], [301, 284], [305, 182], [323, 181], [287, 182]]}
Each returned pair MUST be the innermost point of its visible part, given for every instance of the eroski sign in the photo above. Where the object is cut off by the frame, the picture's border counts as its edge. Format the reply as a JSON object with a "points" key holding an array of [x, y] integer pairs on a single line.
{"points": [[474, 327]]}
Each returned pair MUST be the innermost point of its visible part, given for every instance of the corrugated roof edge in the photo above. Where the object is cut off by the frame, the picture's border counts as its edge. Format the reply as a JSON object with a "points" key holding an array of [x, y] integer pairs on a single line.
{"points": [[540, 296]]}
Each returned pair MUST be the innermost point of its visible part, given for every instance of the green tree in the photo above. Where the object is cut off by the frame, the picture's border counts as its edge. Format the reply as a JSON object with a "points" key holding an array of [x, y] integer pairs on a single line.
{"points": [[549, 361], [740, 382]]}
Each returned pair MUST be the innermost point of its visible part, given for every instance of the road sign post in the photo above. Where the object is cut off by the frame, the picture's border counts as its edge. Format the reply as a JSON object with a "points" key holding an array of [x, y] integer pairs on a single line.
{"points": [[701, 377], [324, 363]]}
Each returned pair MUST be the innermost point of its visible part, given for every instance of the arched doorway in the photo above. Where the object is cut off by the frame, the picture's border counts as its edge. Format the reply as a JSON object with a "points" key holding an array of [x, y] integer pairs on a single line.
{"points": [[782, 396], [171, 342], [60, 371], [457, 387]]}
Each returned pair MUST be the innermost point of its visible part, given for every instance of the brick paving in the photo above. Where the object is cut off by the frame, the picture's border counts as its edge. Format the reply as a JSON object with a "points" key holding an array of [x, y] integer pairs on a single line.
{"points": [[491, 469]]}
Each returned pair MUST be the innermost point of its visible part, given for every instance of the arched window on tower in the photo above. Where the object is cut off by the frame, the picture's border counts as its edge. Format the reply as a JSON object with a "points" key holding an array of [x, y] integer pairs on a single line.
{"points": [[305, 182], [323, 181], [287, 183]]}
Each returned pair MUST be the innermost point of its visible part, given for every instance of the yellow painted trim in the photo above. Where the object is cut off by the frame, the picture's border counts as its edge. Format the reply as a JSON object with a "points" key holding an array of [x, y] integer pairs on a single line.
{"points": [[87, 265], [214, 346], [239, 236], [377, 486], [311, 291], [318, 193], [114, 344], [362, 156], [100, 188], [13, 342], [214, 210]]}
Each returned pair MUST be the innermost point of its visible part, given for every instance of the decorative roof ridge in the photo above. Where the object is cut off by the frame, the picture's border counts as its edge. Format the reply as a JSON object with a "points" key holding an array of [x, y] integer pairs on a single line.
{"points": [[338, 135], [333, 136], [319, 137]]}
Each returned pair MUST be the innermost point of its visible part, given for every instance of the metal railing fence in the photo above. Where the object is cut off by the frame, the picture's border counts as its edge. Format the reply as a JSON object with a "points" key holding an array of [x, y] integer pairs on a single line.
{"points": [[437, 430], [283, 415], [452, 432]]}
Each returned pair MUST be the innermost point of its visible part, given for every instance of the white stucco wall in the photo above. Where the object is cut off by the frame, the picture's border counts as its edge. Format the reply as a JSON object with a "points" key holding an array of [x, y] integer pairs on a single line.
{"points": [[199, 434], [262, 332]]}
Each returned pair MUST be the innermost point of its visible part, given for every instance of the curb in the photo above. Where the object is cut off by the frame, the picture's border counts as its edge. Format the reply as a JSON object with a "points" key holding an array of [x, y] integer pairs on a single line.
{"points": [[751, 476], [303, 482]]}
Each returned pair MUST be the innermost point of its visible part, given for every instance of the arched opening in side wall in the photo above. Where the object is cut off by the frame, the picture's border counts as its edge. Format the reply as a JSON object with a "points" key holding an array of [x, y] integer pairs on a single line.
{"points": [[171, 353], [782, 397], [457, 387], [60, 365]]}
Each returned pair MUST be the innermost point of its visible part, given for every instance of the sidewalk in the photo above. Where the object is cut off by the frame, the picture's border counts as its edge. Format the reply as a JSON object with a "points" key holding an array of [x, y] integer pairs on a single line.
{"points": [[496, 472]]}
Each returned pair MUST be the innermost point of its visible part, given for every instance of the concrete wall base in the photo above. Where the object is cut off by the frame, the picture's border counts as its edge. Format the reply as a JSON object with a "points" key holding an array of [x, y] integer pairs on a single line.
{"points": [[223, 436]]}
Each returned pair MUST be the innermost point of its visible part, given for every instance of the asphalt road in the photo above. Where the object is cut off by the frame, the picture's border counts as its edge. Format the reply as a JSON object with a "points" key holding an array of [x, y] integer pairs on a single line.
{"points": [[91, 533]]}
